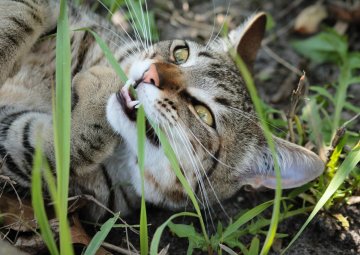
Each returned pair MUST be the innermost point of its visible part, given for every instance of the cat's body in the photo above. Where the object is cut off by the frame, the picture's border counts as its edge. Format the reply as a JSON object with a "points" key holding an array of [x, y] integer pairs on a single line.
{"points": [[195, 93]]}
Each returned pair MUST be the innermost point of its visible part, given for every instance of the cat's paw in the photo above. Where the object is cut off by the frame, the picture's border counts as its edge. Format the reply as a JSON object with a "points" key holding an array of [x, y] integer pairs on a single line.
{"points": [[93, 87]]}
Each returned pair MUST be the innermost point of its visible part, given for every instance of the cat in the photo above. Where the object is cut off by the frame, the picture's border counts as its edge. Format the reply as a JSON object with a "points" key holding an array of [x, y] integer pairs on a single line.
{"points": [[193, 92]]}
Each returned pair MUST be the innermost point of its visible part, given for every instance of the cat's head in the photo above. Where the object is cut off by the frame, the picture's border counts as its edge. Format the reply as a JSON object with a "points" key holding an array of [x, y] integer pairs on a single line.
{"points": [[196, 94]]}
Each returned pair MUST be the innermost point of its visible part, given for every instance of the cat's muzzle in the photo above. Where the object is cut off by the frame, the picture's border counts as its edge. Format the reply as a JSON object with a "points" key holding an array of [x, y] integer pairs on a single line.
{"points": [[129, 106]]}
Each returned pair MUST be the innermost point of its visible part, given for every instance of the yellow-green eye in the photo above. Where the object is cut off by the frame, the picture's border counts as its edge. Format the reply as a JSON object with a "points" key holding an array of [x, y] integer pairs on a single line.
{"points": [[204, 114], [181, 55]]}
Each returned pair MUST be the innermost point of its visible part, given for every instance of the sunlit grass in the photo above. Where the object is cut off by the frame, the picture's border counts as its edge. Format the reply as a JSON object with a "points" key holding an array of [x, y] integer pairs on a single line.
{"points": [[271, 145], [61, 126]]}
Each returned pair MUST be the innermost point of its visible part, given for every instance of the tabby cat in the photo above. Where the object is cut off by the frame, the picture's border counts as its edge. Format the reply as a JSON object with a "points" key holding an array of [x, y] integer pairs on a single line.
{"points": [[193, 92]]}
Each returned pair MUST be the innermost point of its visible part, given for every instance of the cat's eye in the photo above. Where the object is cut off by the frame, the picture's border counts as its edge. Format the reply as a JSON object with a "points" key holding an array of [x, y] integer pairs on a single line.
{"points": [[204, 114], [181, 54]]}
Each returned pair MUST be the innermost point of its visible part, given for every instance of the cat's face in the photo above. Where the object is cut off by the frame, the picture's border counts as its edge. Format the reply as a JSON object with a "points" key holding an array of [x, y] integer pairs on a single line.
{"points": [[196, 94]]}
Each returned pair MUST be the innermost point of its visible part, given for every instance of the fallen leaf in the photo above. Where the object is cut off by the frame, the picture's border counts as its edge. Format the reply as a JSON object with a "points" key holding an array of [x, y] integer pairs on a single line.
{"points": [[353, 200], [343, 220], [308, 21], [18, 215]]}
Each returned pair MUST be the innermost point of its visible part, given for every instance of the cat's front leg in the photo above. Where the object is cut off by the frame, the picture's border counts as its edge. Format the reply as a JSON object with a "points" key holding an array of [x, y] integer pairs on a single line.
{"points": [[92, 138]]}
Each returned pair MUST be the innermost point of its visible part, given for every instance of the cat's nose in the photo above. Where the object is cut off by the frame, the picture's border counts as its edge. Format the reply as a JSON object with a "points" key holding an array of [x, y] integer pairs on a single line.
{"points": [[151, 76]]}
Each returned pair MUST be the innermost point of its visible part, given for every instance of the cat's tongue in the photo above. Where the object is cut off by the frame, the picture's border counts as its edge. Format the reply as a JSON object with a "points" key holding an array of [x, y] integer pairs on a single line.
{"points": [[125, 91]]}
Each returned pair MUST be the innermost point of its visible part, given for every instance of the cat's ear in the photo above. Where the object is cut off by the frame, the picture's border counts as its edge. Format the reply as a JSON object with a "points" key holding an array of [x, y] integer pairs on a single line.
{"points": [[297, 165], [246, 39]]}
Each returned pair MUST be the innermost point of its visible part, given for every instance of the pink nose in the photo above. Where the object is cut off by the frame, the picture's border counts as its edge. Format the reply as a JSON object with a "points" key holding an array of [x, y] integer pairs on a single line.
{"points": [[151, 76]]}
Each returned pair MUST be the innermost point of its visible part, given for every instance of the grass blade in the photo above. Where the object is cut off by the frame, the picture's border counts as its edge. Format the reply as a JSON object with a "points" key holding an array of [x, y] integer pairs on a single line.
{"points": [[170, 154], [140, 124], [254, 246], [269, 139], [344, 170], [62, 124], [108, 54], [100, 236], [156, 238], [38, 203], [341, 94], [249, 215]]}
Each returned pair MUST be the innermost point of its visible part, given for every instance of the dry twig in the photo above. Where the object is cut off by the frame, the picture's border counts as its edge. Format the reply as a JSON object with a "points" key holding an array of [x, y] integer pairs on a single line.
{"points": [[296, 96]]}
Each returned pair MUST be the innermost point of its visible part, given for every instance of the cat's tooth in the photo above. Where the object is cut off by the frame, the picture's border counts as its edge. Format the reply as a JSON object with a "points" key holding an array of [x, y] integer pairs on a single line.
{"points": [[133, 103], [138, 105]]}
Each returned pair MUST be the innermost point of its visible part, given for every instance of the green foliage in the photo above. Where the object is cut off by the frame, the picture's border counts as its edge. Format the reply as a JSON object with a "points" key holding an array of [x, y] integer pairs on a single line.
{"points": [[327, 46], [247, 223], [270, 142], [141, 138], [343, 172], [156, 238], [341, 179], [196, 240], [62, 124], [100, 236], [330, 47], [38, 202]]}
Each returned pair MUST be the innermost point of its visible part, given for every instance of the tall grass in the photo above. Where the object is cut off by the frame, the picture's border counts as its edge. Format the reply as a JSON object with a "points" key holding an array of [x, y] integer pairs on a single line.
{"points": [[141, 139], [61, 128], [344, 170], [62, 124], [269, 139], [38, 202]]}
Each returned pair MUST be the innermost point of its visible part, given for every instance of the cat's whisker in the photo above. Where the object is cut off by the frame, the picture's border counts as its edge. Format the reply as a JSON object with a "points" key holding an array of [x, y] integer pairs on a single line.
{"points": [[145, 28], [214, 24], [133, 15], [251, 116], [204, 198], [121, 26], [199, 178], [148, 22], [207, 151], [133, 25], [222, 25], [174, 145], [203, 202], [124, 41], [206, 176]]}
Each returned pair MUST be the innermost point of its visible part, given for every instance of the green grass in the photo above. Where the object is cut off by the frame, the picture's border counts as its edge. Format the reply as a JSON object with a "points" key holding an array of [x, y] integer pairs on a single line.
{"points": [[343, 172], [269, 139], [61, 126], [100, 236], [141, 138], [38, 202]]}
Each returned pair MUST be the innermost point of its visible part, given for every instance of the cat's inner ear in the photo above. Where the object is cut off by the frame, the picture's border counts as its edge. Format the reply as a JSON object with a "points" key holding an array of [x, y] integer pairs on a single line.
{"points": [[297, 166], [247, 38]]}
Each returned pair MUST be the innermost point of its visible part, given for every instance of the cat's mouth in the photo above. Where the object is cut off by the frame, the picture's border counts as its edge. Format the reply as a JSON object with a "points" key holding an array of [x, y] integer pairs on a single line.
{"points": [[130, 106]]}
